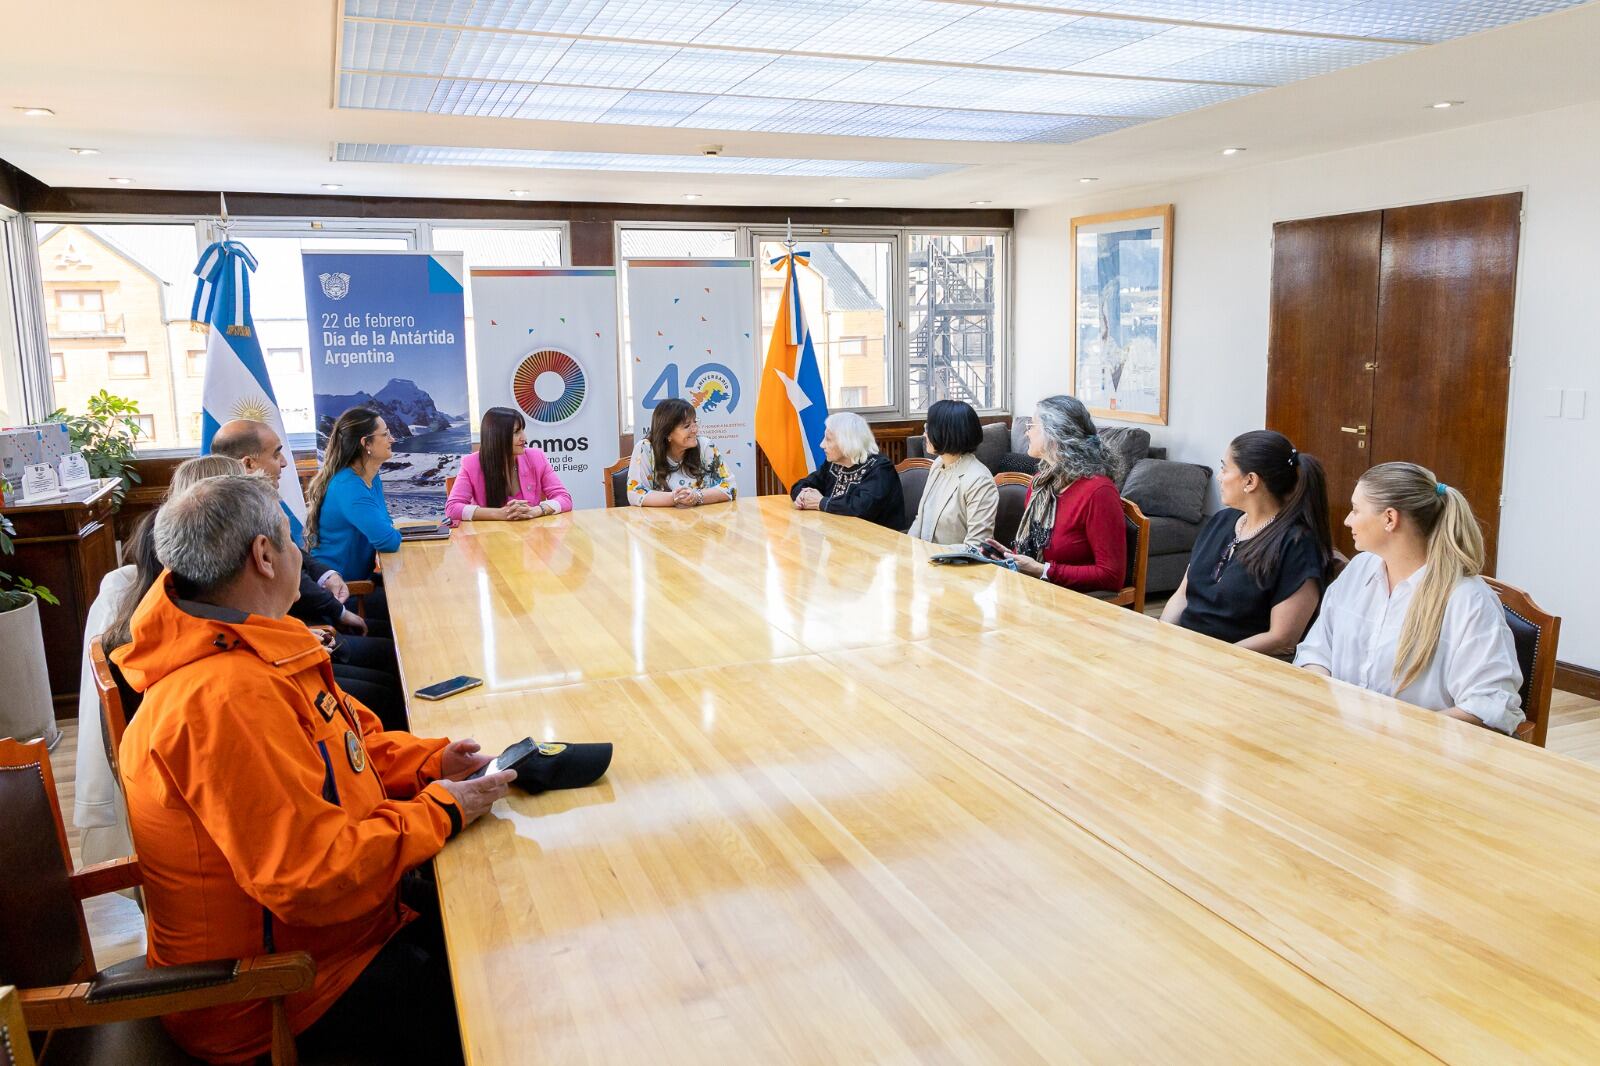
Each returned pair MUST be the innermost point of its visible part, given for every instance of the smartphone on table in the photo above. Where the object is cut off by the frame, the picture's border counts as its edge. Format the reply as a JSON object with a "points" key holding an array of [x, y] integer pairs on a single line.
{"points": [[441, 689]]}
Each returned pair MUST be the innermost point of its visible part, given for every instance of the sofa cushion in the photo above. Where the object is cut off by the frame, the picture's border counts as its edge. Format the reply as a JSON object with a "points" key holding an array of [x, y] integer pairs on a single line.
{"points": [[1169, 536], [1130, 442], [1164, 488], [1015, 463], [996, 442]]}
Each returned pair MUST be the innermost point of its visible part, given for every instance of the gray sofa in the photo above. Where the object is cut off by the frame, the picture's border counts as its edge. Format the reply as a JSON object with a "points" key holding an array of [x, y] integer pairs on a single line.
{"points": [[1171, 494]]}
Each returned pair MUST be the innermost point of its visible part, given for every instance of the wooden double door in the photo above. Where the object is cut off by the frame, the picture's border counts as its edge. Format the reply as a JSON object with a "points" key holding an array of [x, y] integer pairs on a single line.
{"points": [[1390, 339]]}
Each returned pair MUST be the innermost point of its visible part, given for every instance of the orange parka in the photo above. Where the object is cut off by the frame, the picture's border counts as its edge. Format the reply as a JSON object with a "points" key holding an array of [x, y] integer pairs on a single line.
{"points": [[270, 811]]}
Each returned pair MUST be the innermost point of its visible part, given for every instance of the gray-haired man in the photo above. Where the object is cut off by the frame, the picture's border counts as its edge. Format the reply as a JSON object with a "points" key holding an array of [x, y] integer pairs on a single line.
{"points": [[272, 811]]}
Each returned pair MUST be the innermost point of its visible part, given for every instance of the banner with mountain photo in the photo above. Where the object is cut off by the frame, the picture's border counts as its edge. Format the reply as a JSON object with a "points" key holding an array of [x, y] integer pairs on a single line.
{"points": [[388, 332], [546, 340], [692, 323]]}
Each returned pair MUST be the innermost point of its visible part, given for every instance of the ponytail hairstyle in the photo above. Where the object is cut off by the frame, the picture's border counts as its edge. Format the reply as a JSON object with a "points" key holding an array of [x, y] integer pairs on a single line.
{"points": [[1455, 551], [1295, 480], [670, 414], [495, 455], [346, 444]]}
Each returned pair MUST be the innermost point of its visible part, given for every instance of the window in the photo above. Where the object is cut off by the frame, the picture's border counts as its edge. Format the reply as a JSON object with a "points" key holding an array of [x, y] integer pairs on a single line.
{"points": [[953, 319], [130, 364], [118, 297], [58, 366], [486, 246], [80, 311], [195, 426], [650, 243], [847, 290], [147, 428], [285, 361], [194, 362]]}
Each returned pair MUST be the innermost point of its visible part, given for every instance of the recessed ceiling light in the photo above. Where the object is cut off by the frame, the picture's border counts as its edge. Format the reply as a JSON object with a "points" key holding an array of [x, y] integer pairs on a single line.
{"points": [[330, 186], [1443, 104], [36, 112], [1085, 181], [122, 181], [840, 200], [982, 203], [1232, 151], [84, 151], [691, 196], [519, 192]]}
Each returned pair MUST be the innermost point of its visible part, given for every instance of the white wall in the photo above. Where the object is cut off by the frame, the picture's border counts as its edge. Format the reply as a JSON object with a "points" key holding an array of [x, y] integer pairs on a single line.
{"points": [[1550, 527]]}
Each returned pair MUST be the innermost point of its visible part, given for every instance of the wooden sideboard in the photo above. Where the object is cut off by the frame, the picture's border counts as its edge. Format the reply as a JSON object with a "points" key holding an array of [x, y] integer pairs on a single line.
{"points": [[67, 547]]}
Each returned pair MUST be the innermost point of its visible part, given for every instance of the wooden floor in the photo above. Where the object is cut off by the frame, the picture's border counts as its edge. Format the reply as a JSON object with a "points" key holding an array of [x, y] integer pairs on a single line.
{"points": [[116, 924]]}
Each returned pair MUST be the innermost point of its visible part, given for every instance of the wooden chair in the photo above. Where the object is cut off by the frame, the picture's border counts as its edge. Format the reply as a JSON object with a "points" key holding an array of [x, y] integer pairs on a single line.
{"points": [[913, 479], [15, 1050], [1013, 501], [449, 484], [1535, 633], [1132, 594], [616, 483], [110, 1015], [117, 703]]}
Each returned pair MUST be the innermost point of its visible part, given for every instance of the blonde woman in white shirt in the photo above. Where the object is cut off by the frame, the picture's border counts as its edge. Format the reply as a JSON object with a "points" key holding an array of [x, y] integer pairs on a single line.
{"points": [[1410, 617], [959, 499]]}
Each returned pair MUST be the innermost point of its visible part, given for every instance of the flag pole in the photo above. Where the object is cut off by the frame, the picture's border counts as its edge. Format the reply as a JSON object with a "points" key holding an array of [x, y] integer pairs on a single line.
{"points": [[788, 234]]}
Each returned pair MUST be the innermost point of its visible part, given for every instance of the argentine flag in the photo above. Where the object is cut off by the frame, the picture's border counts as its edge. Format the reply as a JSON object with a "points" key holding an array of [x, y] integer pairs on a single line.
{"points": [[793, 405], [237, 384]]}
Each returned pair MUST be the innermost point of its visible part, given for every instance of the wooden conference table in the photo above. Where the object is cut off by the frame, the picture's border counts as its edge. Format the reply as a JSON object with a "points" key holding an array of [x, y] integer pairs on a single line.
{"points": [[865, 809]]}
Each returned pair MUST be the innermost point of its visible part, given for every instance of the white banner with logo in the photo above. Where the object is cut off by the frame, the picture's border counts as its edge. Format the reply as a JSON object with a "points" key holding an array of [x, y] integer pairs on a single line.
{"points": [[547, 346], [692, 327]]}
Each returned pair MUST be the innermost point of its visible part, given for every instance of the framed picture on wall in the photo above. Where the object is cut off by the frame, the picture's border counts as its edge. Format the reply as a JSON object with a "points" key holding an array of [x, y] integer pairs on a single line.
{"points": [[1122, 292]]}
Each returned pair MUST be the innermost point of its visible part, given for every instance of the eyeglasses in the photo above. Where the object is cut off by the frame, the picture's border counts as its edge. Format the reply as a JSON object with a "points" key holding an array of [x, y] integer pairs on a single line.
{"points": [[1227, 553]]}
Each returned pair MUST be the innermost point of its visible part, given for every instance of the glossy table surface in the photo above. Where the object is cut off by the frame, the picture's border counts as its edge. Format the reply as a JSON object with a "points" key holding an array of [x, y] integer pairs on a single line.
{"points": [[867, 809]]}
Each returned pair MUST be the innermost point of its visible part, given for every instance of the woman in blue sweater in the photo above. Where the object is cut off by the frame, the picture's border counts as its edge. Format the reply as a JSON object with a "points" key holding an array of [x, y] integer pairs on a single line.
{"points": [[347, 519]]}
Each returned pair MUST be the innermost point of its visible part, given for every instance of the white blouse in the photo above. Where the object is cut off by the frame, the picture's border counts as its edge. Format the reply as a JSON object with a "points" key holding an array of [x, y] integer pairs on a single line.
{"points": [[1356, 636]]}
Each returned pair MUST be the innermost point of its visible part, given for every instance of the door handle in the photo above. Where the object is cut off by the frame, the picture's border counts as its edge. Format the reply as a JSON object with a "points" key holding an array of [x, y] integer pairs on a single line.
{"points": [[1360, 431]]}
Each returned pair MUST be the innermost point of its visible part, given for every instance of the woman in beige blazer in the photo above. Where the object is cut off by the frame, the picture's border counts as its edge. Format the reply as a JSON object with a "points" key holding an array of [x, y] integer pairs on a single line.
{"points": [[959, 500]]}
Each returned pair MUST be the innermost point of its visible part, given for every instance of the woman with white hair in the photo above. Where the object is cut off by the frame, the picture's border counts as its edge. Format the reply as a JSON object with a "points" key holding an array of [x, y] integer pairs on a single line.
{"points": [[1072, 533], [856, 481]]}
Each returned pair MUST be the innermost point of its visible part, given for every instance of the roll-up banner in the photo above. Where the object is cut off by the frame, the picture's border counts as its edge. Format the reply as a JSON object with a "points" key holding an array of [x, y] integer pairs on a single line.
{"points": [[547, 346], [388, 332], [692, 327]]}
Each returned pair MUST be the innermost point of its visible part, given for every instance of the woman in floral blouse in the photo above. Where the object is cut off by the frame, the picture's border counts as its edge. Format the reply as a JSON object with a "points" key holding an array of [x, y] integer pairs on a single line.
{"points": [[673, 467]]}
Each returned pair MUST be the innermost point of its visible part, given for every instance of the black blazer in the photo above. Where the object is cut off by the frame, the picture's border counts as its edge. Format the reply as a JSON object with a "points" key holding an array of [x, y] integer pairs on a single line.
{"points": [[869, 490], [316, 605]]}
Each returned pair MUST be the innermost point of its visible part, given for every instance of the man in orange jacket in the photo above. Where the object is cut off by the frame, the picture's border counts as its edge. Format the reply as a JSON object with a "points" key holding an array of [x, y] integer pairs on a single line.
{"points": [[270, 811]]}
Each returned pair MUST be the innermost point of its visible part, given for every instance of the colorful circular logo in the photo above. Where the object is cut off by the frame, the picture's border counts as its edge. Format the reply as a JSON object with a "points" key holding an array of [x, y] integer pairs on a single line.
{"points": [[548, 385]]}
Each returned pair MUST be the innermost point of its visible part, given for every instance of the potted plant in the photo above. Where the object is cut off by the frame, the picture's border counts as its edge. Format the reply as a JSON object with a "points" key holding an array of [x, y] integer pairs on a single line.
{"points": [[105, 436], [27, 710]]}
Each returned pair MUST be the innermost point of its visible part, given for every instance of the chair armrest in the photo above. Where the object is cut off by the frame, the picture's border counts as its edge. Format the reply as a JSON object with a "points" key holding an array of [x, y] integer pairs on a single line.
{"points": [[359, 588], [111, 876], [1525, 730], [167, 989]]}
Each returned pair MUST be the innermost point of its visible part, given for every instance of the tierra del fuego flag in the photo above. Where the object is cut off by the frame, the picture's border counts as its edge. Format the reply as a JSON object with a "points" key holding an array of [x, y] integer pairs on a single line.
{"points": [[793, 404], [237, 384]]}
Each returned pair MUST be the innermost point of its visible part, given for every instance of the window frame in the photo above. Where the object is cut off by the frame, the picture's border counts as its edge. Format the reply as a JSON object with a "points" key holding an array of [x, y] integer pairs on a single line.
{"points": [[111, 363], [1005, 364]]}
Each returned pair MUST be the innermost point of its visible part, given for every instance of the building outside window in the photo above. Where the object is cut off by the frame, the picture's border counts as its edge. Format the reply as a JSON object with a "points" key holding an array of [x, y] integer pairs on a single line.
{"points": [[58, 366], [118, 297], [194, 362], [147, 428], [285, 361], [953, 319]]}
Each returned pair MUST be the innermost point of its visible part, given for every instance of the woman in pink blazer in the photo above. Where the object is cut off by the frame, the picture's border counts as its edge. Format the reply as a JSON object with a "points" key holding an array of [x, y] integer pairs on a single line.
{"points": [[505, 480]]}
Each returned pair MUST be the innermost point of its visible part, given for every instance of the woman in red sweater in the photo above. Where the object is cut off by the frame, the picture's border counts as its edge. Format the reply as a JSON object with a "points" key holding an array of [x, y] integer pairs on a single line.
{"points": [[1072, 532]]}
